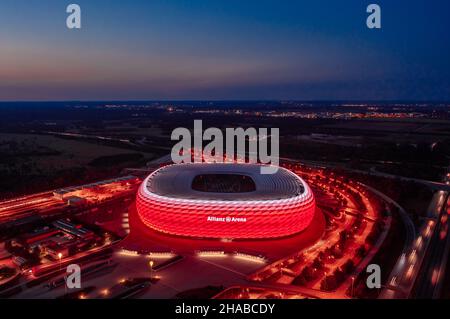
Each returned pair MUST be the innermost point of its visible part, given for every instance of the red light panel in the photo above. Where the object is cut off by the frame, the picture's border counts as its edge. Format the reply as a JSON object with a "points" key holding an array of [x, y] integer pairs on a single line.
{"points": [[226, 219]]}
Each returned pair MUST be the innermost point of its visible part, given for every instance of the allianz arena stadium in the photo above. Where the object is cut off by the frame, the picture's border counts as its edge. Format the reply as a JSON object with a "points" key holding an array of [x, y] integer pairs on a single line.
{"points": [[227, 201]]}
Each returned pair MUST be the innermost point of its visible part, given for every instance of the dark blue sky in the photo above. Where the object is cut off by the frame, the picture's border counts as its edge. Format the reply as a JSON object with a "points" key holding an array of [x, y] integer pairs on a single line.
{"points": [[228, 49]]}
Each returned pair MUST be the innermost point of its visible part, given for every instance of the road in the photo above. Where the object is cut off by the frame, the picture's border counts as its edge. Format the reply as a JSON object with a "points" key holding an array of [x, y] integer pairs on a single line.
{"points": [[409, 265], [432, 272], [444, 260], [392, 288]]}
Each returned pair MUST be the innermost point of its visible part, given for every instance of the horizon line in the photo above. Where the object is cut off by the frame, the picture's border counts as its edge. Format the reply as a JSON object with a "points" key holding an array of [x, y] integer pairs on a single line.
{"points": [[230, 100]]}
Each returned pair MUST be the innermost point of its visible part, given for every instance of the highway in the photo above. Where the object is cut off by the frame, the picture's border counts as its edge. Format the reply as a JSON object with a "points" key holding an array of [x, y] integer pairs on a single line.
{"points": [[396, 283], [441, 275], [409, 266], [432, 272], [420, 269]]}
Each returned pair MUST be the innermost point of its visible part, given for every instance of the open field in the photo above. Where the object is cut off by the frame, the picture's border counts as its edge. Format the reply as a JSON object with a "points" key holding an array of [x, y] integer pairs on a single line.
{"points": [[45, 152], [37, 162]]}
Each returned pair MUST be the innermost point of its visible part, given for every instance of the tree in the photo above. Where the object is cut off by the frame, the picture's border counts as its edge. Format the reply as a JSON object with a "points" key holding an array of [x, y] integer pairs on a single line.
{"points": [[361, 251], [348, 267], [317, 263], [329, 283]]}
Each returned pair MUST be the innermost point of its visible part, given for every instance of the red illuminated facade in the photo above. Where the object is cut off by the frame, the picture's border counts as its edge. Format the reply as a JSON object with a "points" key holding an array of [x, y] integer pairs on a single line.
{"points": [[233, 216]]}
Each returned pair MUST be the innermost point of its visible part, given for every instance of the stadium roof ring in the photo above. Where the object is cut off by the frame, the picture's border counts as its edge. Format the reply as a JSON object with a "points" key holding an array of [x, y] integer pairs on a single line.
{"points": [[225, 200]]}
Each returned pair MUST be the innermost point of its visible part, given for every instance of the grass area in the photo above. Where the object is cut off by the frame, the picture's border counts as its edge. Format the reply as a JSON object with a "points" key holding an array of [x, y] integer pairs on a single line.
{"points": [[45, 152]]}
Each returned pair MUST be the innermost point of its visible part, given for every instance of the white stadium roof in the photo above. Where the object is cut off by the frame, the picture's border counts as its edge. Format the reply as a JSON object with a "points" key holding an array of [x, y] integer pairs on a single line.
{"points": [[175, 181]]}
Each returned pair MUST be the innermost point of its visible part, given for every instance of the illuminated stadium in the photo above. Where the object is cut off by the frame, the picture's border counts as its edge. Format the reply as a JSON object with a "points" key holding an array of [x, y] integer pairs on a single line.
{"points": [[232, 201]]}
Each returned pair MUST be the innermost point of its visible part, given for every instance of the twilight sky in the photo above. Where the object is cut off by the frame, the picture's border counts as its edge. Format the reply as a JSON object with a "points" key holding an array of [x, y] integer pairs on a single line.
{"points": [[228, 49]]}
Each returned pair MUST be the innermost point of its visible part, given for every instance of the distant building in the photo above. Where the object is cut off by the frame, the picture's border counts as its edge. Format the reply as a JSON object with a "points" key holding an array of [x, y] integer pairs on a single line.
{"points": [[65, 193], [76, 201], [54, 250], [41, 235], [73, 229], [19, 261]]}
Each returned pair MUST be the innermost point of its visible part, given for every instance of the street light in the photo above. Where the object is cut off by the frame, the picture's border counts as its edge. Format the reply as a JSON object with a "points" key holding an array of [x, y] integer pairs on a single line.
{"points": [[150, 263], [353, 282], [105, 292], [60, 257]]}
